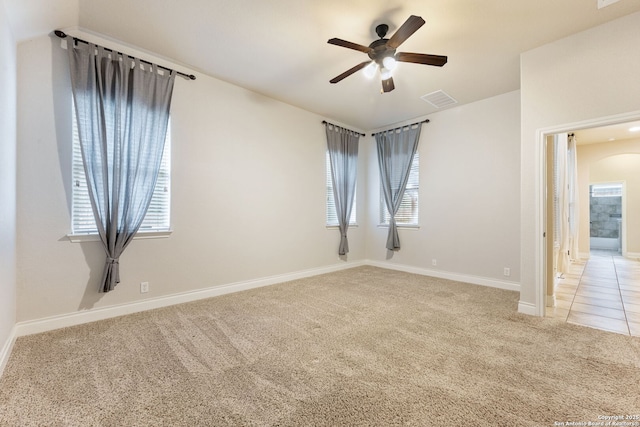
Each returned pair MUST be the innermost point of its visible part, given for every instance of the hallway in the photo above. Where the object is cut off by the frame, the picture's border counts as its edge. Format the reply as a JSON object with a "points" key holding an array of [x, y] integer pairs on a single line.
{"points": [[602, 292]]}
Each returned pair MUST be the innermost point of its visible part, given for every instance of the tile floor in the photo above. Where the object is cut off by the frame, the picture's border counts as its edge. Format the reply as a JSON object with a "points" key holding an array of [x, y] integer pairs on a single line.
{"points": [[602, 292]]}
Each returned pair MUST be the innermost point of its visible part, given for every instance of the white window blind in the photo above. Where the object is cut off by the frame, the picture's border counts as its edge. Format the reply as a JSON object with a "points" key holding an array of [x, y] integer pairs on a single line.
{"points": [[157, 217], [408, 211], [606, 190], [332, 216]]}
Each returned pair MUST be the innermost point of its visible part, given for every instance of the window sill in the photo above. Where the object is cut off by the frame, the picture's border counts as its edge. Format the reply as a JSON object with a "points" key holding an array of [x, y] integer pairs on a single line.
{"points": [[403, 226], [94, 237], [329, 227]]}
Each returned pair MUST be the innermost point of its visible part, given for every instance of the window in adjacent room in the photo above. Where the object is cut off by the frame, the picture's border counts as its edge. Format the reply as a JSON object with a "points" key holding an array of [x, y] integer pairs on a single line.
{"points": [[332, 217], [408, 212], [606, 190], [157, 217]]}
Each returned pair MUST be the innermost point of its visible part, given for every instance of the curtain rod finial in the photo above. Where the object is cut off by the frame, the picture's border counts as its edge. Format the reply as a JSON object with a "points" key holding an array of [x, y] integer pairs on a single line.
{"points": [[60, 34]]}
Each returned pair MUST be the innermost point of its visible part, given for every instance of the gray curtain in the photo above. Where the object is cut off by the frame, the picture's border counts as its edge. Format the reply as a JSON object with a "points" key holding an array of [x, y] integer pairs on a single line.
{"points": [[343, 155], [396, 148], [122, 112]]}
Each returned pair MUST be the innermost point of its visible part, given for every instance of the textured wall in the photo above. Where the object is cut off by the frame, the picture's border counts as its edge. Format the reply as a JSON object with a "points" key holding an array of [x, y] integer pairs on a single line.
{"points": [[248, 195], [563, 84], [469, 194]]}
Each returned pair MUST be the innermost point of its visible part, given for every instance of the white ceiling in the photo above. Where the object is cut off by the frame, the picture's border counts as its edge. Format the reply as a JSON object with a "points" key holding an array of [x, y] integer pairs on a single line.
{"points": [[617, 132], [279, 47]]}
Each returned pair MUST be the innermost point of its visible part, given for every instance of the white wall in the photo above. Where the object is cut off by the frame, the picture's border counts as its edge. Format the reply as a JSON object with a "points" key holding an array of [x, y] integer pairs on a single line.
{"points": [[7, 184], [469, 194], [575, 80], [248, 195]]}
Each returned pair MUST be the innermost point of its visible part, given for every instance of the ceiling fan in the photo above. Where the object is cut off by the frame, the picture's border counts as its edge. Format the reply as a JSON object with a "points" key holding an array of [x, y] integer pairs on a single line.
{"points": [[382, 53]]}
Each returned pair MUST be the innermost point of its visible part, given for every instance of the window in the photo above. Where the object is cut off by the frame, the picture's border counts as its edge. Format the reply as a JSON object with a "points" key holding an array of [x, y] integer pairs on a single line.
{"points": [[606, 190], [332, 216], [408, 212], [157, 217]]}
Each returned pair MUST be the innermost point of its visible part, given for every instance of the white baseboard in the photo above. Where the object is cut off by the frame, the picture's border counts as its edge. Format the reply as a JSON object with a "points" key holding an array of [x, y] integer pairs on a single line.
{"points": [[92, 315], [5, 352], [78, 318], [527, 308], [475, 280], [632, 255]]}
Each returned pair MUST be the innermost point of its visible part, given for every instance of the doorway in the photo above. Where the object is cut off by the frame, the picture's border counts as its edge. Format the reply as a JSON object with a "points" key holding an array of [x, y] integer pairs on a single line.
{"points": [[599, 288], [605, 217]]}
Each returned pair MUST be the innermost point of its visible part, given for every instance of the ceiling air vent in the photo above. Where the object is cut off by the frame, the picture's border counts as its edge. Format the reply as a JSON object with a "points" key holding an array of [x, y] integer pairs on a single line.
{"points": [[439, 99], [605, 3]]}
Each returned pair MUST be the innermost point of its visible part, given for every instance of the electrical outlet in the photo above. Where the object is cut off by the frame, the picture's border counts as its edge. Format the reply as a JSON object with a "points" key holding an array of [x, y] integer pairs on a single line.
{"points": [[434, 262], [144, 287], [507, 271]]}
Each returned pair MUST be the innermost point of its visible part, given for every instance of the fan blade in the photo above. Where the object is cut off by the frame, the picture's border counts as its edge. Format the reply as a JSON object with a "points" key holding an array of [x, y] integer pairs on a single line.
{"points": [[409, 27], [349, 45], [421, 58], [387, 85], [350, 71]]}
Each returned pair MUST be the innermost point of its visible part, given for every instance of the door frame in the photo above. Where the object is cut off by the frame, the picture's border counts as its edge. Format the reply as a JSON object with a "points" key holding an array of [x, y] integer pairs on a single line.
{"points": [[540, 206]]}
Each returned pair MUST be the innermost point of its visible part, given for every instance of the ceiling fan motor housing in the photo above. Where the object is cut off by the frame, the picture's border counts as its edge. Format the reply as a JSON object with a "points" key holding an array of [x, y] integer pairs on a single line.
{"points": [[380, 50]]}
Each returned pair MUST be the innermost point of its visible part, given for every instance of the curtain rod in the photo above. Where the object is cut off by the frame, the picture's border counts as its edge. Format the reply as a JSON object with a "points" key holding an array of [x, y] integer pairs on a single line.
{"points": [[327, 123], [402, 127], [63, 35]]}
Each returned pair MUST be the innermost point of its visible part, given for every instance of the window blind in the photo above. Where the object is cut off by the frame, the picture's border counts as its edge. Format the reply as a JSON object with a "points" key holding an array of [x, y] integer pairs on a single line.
{"points": [[158, 214], [606, 190], [332, 216], [408, 212]]}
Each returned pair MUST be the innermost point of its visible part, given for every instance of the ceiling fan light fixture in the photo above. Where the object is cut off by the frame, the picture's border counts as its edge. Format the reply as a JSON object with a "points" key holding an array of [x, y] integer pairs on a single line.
{"points": [[389, 62], [370, 70], [385, 74]]}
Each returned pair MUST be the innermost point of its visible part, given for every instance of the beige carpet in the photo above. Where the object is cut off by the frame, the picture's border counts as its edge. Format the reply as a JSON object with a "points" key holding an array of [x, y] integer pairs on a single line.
{"points": [[364, 346]]}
